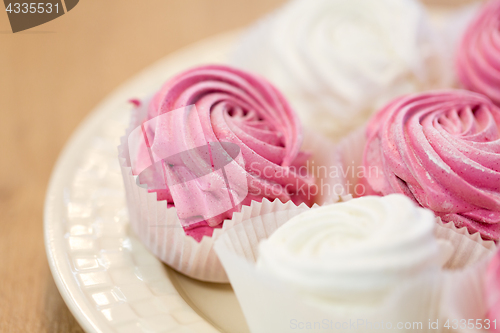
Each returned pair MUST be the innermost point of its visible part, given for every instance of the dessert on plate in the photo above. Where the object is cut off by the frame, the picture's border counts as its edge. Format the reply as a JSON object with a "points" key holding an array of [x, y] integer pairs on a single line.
{"points": [[338, 61], [353, 253], [212, 140], [442, 150], [364, 258]]}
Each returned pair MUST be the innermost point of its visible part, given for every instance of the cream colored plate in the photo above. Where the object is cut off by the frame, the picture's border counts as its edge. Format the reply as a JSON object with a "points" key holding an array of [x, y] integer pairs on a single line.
{"points": [[109, 281]]}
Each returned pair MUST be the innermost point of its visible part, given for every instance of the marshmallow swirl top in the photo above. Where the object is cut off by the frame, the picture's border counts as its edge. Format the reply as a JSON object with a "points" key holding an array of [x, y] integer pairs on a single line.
{"points": [[352, 253], [234, 107], [339, 60], [442, 149], [478, 57]]}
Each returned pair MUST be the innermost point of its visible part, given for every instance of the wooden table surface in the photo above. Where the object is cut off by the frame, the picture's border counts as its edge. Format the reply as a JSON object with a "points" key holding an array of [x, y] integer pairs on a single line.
{"points": [[50, 78]]}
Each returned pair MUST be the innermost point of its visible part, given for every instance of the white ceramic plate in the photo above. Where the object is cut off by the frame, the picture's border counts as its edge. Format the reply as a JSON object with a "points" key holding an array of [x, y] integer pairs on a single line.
{"points": [[109, 281]]}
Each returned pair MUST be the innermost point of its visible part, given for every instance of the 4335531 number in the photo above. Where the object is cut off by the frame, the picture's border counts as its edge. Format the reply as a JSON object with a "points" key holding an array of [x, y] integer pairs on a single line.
{"points": [[32, 8]]}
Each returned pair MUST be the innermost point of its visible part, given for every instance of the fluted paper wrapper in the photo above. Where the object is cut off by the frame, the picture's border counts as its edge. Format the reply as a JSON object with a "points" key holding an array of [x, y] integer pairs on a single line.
{"points": [[269, 305], [469, 248], [463, 297], [159, 227], [330, 187]]}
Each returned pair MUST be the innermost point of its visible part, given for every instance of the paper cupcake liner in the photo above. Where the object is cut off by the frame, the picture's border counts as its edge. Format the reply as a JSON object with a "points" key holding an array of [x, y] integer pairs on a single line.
{"points": [[463, 296], [348, 157], [270, 305], [330, 189], [468, 248], [159, 227]]}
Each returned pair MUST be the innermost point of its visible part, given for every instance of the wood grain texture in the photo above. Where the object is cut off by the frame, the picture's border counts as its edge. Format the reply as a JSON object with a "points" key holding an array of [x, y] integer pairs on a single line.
{"points": [[50, 78]]}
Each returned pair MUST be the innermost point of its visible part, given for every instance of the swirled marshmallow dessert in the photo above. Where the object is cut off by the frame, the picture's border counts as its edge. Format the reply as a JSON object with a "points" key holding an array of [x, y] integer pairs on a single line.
{"points": [[353, 253], [337, 61], [441, 149], [478, 57], [229, 108]]}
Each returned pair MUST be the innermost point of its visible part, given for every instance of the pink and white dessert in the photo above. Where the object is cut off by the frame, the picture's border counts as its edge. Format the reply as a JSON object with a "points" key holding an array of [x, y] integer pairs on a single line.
{"points": [[441, 149], [478, 58], [196, 117]]}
